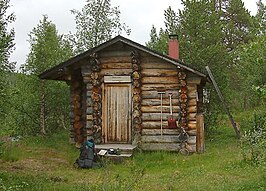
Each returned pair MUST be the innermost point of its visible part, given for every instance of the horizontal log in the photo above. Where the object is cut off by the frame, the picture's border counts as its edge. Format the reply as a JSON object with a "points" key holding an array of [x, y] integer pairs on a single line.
{"points": [[157, 109], [89, 87], [192, 132], [87, 79], [155, 87], [160, 146], [89, 93], [89, 125], [191, 125], [191, 140], [193, 80], [192, 95], [192, 115], [160, 80], [89, 117], [89, 110], [158, 131], [191, 87], [160, 139], [192, 102], [115, 65], [192, 90], [159, 72], [154, 124], [115, 53], [192, 109], [155, 94], [120, 72], [156, 116], [191, 148], [156, 102], [85, 70], [154, 62], [114, 59]]}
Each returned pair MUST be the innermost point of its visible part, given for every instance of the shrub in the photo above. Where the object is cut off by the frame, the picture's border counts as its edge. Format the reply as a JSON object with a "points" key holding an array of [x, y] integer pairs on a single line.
{"points": [[253, 142]]}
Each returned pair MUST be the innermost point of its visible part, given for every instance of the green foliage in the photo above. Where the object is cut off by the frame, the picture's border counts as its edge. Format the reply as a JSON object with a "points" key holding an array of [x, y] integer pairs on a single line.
{"points": [[254, 140], [6, 48], [237, 23], [171, 21], [47, 48], [250, 71], [260, 19], [158, 42], [261, 91], [6, 37], [23, 117], [224, 36], [96, 23], [32, 97], [201, 37]]}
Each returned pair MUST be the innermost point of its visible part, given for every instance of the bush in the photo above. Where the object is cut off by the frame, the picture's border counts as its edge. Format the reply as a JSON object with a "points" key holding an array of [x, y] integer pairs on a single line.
{"points": [[253, 142]]}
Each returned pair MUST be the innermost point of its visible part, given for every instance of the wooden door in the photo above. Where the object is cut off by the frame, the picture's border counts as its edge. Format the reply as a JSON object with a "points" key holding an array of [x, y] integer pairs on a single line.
{"points": [[117, 113]]}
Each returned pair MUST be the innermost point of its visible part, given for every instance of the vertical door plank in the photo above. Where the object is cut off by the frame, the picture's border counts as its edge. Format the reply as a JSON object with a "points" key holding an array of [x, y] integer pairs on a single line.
{"points": [[117, 113]]}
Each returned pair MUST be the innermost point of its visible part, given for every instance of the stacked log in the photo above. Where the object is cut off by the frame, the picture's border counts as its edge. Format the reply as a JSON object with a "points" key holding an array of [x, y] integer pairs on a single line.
{"points": [[86, 74], [158, 77], [190, 113], [183, 99], [136, 113], [76, 129], [96, 100]]}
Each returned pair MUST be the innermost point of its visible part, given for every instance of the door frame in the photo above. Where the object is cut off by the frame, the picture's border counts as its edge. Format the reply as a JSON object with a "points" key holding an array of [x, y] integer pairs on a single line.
{"points": [[105, 111]]}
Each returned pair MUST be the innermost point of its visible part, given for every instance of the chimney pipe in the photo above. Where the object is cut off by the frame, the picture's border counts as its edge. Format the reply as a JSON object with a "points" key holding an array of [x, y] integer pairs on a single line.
{"points": [[173, 47]]}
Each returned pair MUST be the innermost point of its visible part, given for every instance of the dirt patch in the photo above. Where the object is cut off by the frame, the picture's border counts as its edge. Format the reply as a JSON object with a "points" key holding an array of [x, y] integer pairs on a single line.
{"points": [[42, 160]]}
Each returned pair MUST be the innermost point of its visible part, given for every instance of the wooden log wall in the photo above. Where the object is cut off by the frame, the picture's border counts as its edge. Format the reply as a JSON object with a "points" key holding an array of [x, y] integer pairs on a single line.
{"points": [[96, 98], [149, 75], [193, 82], [86, 74], [136, 81], [116, 61], [158, 76], [77, 109], [93, 103]]}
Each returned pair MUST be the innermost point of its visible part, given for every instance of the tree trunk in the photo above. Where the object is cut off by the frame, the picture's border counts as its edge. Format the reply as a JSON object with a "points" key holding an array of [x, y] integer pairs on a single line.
{"points": [[42, 112]]}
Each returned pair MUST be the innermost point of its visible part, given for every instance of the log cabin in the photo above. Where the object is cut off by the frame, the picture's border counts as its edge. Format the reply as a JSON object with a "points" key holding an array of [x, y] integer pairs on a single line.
{"points": [[122, 92]]}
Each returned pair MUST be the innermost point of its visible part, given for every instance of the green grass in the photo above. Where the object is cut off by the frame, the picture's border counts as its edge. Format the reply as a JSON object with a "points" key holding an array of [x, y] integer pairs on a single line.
{"points": [[46, 163]]}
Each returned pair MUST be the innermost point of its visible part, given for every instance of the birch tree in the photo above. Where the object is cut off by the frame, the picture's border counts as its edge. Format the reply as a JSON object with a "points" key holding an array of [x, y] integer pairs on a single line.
{"points": [[48, 49], [96, 23]]}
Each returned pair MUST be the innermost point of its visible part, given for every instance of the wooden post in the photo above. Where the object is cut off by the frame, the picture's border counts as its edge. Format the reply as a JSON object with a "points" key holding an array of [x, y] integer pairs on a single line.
{"points": [[200, 146], [237, 131]]}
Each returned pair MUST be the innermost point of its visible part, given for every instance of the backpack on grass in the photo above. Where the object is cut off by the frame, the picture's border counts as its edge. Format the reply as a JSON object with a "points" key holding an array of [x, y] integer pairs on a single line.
{"points": [[87, 156]]}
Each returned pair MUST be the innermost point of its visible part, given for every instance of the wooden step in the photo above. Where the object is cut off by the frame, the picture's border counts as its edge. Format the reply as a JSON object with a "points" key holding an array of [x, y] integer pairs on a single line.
{"points": [[126, 150]]}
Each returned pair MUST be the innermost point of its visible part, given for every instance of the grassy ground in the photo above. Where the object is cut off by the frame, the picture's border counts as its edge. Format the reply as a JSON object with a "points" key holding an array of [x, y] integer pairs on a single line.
{"points": [[46, 163]]}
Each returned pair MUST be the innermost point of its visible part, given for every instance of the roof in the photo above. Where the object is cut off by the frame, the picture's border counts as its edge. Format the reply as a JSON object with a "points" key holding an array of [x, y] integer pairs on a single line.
{"points": [[61, 67]]}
